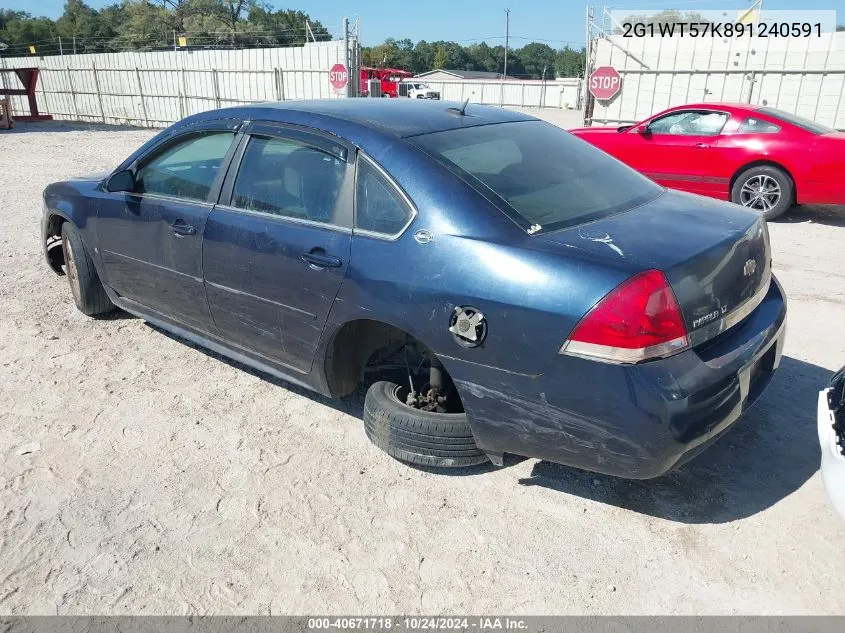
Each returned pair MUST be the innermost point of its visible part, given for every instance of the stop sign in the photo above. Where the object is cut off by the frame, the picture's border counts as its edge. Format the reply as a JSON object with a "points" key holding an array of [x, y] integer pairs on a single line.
{"points": [[338, 76], [604, 83]]}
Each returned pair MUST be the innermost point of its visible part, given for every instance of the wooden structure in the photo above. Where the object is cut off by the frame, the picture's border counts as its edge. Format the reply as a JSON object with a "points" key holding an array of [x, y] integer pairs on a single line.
{"points": [[28, 78], [6, 121]]}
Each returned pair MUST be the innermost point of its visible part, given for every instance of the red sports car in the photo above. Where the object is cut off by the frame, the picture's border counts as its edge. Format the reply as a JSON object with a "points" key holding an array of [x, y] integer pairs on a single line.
{"points": [[755, 156]]}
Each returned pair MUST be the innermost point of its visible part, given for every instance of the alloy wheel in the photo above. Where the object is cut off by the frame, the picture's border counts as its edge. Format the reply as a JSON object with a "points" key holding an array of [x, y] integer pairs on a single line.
{"points": [[70, 267], [760, 192]]}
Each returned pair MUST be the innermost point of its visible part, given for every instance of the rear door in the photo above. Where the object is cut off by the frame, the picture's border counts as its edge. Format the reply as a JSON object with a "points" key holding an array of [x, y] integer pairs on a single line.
{"points": [[150, 239], [680, 150], [277, 246]]}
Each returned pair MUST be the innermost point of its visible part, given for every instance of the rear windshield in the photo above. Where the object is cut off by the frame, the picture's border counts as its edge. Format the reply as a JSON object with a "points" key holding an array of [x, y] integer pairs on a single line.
{"points": [[798, 121], [547, 178]]}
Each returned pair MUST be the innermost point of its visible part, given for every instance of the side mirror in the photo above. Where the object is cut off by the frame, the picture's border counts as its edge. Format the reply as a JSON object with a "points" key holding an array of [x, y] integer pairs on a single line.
{"points": [[121, 181], [643, 129]]}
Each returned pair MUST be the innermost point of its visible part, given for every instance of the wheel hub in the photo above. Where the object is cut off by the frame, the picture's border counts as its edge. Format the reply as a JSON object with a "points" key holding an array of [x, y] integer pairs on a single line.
{"points": [[760, 192]]}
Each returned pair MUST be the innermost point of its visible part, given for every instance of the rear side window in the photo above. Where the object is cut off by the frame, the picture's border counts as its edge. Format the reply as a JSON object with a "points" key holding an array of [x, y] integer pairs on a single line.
{"points": [[290, 179], [798, 121], [542, 176], [758, 126], [379, 207], [186, 169]]}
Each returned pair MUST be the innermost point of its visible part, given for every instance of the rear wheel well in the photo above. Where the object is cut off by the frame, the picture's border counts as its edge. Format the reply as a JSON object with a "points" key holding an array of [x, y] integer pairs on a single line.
{"points": [[53, 243], [760, 163], [371, 350]]}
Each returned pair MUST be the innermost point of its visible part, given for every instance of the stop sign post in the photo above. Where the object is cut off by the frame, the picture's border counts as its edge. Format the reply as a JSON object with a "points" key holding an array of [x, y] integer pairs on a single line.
{"points": [[604, 83], [338, 76]]}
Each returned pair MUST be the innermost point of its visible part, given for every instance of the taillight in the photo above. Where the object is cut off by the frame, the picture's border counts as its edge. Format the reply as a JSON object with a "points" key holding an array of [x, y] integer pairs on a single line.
{"points": [[639, 320]]}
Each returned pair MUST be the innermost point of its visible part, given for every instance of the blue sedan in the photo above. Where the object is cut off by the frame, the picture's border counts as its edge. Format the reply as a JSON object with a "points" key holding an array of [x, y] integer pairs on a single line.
{"points": [[500, 285]]}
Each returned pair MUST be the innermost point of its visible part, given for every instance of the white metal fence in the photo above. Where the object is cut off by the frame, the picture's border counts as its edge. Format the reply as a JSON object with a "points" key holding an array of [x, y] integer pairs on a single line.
{"points": [[558, 93], [805, 76], [156, 89]]}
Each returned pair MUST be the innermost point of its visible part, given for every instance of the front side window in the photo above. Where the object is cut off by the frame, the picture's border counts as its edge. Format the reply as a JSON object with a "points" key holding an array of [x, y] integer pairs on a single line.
{"points": [[287, 178], [689, 124], [752, 125], [379, 207], [186, 169], [548, 178]]}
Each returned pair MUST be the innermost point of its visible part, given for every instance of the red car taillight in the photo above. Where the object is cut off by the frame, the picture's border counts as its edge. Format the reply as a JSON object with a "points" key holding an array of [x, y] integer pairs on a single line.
{"points": [[639, 320]]}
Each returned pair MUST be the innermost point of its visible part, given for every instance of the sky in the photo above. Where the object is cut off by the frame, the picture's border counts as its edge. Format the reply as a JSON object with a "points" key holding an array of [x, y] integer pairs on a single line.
{"points": [[466, 21]]}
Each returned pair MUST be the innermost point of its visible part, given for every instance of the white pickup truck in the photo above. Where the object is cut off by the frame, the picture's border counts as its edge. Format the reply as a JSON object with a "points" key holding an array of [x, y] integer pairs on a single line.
{"points": [[418, 90]]}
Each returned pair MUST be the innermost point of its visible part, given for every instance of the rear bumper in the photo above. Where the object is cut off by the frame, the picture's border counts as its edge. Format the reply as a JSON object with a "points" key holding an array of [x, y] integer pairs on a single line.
{"points": [[833, 461], [635, 421]]}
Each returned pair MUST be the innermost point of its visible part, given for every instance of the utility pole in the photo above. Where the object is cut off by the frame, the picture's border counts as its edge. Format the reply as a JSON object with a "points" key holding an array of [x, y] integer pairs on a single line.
{"points": [[61, 52], [507, 34]]}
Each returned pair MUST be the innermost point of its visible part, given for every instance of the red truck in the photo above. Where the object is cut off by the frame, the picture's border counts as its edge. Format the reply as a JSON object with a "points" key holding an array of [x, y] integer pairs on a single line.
{"points": [[390, 80]]}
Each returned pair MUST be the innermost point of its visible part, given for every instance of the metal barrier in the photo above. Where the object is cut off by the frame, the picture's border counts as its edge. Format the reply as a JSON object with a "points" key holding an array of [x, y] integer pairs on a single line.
{"points": [[156, 97], [816, 94]]}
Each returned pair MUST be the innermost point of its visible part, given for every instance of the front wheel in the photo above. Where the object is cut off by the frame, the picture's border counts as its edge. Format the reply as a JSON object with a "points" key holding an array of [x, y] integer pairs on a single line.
{"points": [[765, 189], [416, 436], [85, 285]]}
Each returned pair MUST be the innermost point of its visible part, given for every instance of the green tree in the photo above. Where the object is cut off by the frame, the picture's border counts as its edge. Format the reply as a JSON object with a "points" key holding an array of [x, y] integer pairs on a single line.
{"points": [[19, 30], [570, 62], [537, 60], [145, 26], [92, 29], [440, 58]]}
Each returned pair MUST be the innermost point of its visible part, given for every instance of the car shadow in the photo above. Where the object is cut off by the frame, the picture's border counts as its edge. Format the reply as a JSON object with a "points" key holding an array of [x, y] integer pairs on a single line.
{"points": [[23, 127], [770, 453], [352, 405], [115, 315], [829, 215]]}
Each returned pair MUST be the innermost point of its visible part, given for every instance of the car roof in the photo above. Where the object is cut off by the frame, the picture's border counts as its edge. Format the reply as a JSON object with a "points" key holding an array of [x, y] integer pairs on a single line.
{"points": [[715, 105], [394, 117]]}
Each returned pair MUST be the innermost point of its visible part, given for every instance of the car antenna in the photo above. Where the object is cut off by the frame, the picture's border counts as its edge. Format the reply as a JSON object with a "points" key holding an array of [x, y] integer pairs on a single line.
{"points": [[462, 109]]}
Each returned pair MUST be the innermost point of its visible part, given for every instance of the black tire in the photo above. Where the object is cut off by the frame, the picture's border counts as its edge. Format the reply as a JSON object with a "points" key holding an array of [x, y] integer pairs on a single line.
{"points": [[742, 192], [85, 285], [442, 440]]}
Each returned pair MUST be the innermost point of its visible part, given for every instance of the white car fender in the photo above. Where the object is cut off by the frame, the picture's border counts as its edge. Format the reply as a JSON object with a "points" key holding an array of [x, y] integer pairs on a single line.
{"points": [[833, 461]]}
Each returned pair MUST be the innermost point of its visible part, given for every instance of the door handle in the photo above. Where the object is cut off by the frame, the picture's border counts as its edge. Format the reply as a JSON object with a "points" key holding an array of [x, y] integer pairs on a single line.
{"points": [[180, 228], [317, 258], [702, 146]]}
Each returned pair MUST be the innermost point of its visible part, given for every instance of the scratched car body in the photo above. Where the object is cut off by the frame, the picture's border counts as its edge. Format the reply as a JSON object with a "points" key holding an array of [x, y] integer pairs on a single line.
{"points": [[574, 310]]}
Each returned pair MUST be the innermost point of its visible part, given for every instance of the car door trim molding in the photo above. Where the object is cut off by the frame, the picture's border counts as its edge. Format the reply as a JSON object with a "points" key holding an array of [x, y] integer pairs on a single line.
{"points": [[208, 340], [165, 198], [390, 180], [150, 264], [263, 299], [687, 178], [285, 218]]}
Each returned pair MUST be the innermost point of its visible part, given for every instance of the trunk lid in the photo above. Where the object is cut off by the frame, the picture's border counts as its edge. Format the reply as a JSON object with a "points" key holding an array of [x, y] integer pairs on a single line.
{"points": [[714, 254]]}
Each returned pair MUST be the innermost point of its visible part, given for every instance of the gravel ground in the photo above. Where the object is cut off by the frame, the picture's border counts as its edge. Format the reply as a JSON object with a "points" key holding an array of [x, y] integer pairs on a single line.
{"points": [[158, 478]]}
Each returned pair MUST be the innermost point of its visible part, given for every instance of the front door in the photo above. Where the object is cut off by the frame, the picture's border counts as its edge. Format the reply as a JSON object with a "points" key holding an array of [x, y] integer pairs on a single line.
{"points": [[276, 252], [680, 150], [150, 239]]}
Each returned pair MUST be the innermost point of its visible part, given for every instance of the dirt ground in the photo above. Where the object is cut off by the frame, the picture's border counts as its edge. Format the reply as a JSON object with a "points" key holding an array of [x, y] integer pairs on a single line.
{"points": [[141, 475]]}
